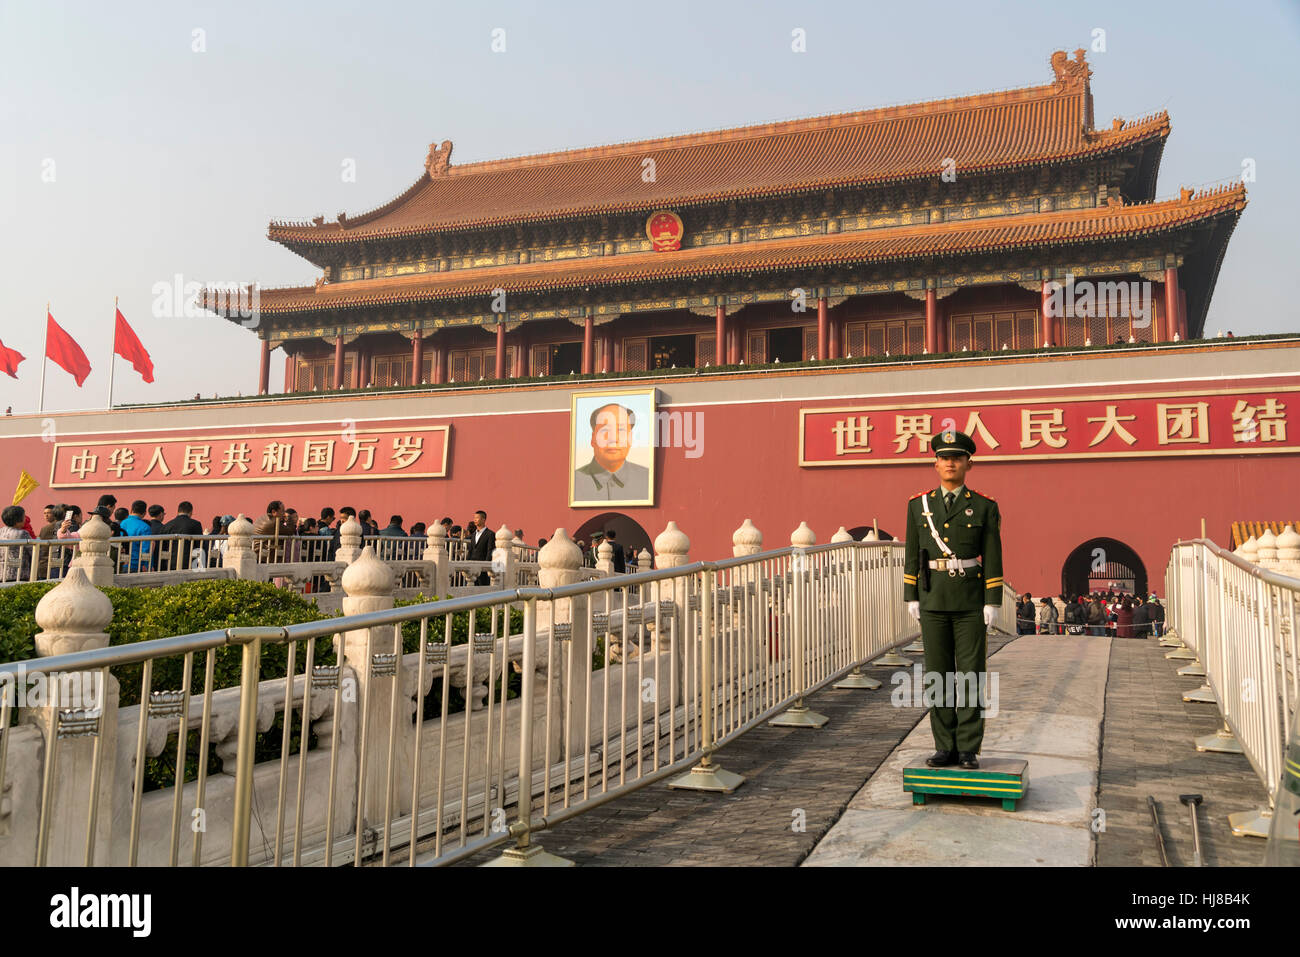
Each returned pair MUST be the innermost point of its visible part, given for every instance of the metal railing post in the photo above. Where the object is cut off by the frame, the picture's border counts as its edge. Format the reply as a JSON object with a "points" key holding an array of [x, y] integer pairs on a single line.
{"points": [[707, 776], [525, 854], [243, 810], [799, 715]]}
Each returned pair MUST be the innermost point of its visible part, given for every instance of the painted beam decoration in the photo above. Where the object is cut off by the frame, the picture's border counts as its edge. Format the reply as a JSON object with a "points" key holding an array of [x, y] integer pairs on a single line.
{"points": [[1224, 422], [419, 452]]}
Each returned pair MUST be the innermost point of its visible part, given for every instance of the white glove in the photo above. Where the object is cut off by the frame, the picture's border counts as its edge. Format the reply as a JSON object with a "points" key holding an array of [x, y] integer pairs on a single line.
{"points": [[914, 609], [990, 612]]}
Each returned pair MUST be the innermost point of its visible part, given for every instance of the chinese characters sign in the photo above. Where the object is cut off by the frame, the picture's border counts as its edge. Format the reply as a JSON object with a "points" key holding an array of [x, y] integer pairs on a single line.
{"points": [[293, 456], [1193, 423]]}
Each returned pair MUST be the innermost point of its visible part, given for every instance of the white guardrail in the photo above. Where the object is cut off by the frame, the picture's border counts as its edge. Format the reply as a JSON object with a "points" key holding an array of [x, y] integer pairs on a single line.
{"points": [[428, 733]]}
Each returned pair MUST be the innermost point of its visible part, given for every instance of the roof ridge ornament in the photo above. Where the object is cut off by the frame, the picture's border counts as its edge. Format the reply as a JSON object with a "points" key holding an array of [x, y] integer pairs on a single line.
{"points": [[438, 159], [1069, 72]]}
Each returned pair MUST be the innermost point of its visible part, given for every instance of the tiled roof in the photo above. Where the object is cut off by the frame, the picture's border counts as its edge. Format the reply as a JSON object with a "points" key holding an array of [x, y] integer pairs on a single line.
{"points": [[1055, 229], [1244, 530], [987, 132]]}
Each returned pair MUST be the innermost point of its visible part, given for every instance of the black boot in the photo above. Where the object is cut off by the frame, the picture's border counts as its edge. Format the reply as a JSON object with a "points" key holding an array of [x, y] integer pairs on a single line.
{"points": [[941, 759], [968, 759]]}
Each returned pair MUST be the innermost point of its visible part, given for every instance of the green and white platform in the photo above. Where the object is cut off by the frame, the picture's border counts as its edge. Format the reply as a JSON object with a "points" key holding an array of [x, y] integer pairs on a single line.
{"points": [[1006, 779]]}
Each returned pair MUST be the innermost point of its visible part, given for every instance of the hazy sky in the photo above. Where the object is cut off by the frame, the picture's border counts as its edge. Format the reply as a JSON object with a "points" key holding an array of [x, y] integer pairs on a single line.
{"points": [[168, 161]]}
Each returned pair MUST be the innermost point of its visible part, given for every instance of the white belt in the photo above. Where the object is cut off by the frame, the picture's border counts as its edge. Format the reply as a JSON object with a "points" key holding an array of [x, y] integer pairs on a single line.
{"points": [[944, 564]]}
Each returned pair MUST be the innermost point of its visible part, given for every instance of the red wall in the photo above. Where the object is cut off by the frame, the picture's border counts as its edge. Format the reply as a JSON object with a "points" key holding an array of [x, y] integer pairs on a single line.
{"points": [[516, 468]]}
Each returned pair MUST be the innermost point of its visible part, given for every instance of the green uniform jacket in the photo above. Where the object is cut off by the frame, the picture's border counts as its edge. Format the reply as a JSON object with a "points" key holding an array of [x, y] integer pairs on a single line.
{"points": [[972, 528]]}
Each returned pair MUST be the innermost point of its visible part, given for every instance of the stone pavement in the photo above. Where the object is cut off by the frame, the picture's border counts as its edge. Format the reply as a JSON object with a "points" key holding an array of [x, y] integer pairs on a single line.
{"points": [[1050, 698], [787, 771], [1147, 749]]}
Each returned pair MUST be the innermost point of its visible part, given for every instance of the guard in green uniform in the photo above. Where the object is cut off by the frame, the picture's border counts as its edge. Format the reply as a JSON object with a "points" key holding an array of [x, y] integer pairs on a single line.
{"points": [[952, 583]]}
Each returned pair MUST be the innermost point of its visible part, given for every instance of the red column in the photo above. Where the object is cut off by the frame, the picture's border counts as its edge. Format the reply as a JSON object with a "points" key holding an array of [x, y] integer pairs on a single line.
{"points": [[607, 353], [1182, 312], [264, 369], [823, 333], [500, 372], [720, 337], [1048, 320], [338, 362], [588, 338], [417, 358], [618, 353], [932, 320], [832, 336], [439, 364], [518, 371], [1171, 302], [363, 368], [290, 383]]}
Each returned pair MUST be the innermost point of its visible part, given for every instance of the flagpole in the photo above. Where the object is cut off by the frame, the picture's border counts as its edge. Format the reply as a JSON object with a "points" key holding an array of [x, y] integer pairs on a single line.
{"points": [[40, 403], [112, 358]]}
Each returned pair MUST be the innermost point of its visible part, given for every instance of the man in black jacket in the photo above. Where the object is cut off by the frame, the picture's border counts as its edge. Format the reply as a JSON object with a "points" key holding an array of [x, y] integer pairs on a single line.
{"points": [[481, 543], [178, 553], [620, 567]]}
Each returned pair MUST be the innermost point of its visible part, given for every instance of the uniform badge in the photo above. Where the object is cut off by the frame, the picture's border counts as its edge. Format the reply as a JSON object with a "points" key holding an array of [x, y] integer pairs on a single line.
{"points": [[970, 511]]}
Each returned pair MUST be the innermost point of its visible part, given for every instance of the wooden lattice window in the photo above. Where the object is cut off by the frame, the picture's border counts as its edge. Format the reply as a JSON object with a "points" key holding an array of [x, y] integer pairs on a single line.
{"points": [[988, 331], [756, 350], [856, 336], [810, 343], [1026, 330], [705, 353], [1004, 328], [876, 340], [390, 370], [634, 355], [317, 375], [916, 336], [470, 365], [540, 360]]}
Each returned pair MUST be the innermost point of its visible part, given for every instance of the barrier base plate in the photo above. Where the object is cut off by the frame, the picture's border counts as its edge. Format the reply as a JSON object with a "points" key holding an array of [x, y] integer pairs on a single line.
{"points": [[1006, 779]]}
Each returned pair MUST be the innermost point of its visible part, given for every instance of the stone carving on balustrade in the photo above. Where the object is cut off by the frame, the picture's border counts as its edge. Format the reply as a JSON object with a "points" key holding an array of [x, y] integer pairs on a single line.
{"points": [[74, 616], [92, 552]]}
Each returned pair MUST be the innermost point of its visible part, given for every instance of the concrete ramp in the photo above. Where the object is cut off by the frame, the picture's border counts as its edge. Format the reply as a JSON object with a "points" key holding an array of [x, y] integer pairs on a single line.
{"points": [[1050, 703]]}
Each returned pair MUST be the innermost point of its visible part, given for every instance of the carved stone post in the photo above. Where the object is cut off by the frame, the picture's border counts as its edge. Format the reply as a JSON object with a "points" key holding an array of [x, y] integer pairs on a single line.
{"points": [[746, 540], [605, 558], [559, 562], [644, 560], [239, 548], [92, 555], [435, 552], [368, 586], [349, 541], [1266, 547], [503, 559], [80, 712], [1288, 551]]}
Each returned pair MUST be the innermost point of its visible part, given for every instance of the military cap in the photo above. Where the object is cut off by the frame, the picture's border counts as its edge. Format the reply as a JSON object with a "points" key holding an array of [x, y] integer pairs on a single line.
{"points": [[952, 442]]}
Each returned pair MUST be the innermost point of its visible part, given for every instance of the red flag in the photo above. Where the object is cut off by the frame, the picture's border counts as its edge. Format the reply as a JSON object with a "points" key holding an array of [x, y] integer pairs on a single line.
{"points": [[65, 352], [9, 359], [127, 345]]}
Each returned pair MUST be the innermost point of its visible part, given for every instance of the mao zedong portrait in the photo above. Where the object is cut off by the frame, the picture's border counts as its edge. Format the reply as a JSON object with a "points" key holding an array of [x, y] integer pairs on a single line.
{"points": [[609, 476]]}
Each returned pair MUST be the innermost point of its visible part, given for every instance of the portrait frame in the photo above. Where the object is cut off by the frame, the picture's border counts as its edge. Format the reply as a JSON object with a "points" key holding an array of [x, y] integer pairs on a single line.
{"points": [[585, 473]]}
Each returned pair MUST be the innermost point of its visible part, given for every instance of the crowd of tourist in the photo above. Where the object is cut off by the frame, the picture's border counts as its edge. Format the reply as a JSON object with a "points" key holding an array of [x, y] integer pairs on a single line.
{"points": [[1118, 614], [281, 534]]}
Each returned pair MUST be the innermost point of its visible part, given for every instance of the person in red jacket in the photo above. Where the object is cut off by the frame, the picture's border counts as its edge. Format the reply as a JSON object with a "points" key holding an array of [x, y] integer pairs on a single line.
{"points": [[1124, 619]]}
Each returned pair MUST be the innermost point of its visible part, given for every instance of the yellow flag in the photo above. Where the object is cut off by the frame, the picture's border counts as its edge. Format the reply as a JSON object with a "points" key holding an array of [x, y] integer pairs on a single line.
{"points": [[26, 486]]}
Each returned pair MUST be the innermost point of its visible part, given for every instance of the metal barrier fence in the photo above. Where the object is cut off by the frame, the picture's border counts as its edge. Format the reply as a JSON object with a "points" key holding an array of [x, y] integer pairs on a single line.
{"points": [[33, 560], [1240, 622], [430, 733]]}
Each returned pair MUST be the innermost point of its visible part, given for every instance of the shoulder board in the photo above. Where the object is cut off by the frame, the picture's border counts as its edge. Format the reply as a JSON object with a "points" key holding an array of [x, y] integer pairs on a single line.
{"points": [[917, 495], [982, 495]]}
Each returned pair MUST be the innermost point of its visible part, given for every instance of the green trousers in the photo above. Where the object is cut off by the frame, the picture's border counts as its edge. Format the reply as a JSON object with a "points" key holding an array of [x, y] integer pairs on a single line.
{"points": [[956, 641]]}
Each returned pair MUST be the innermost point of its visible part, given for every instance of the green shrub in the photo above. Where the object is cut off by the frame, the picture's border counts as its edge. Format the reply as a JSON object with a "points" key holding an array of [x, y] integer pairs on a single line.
{"points": [[142, 614]]}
